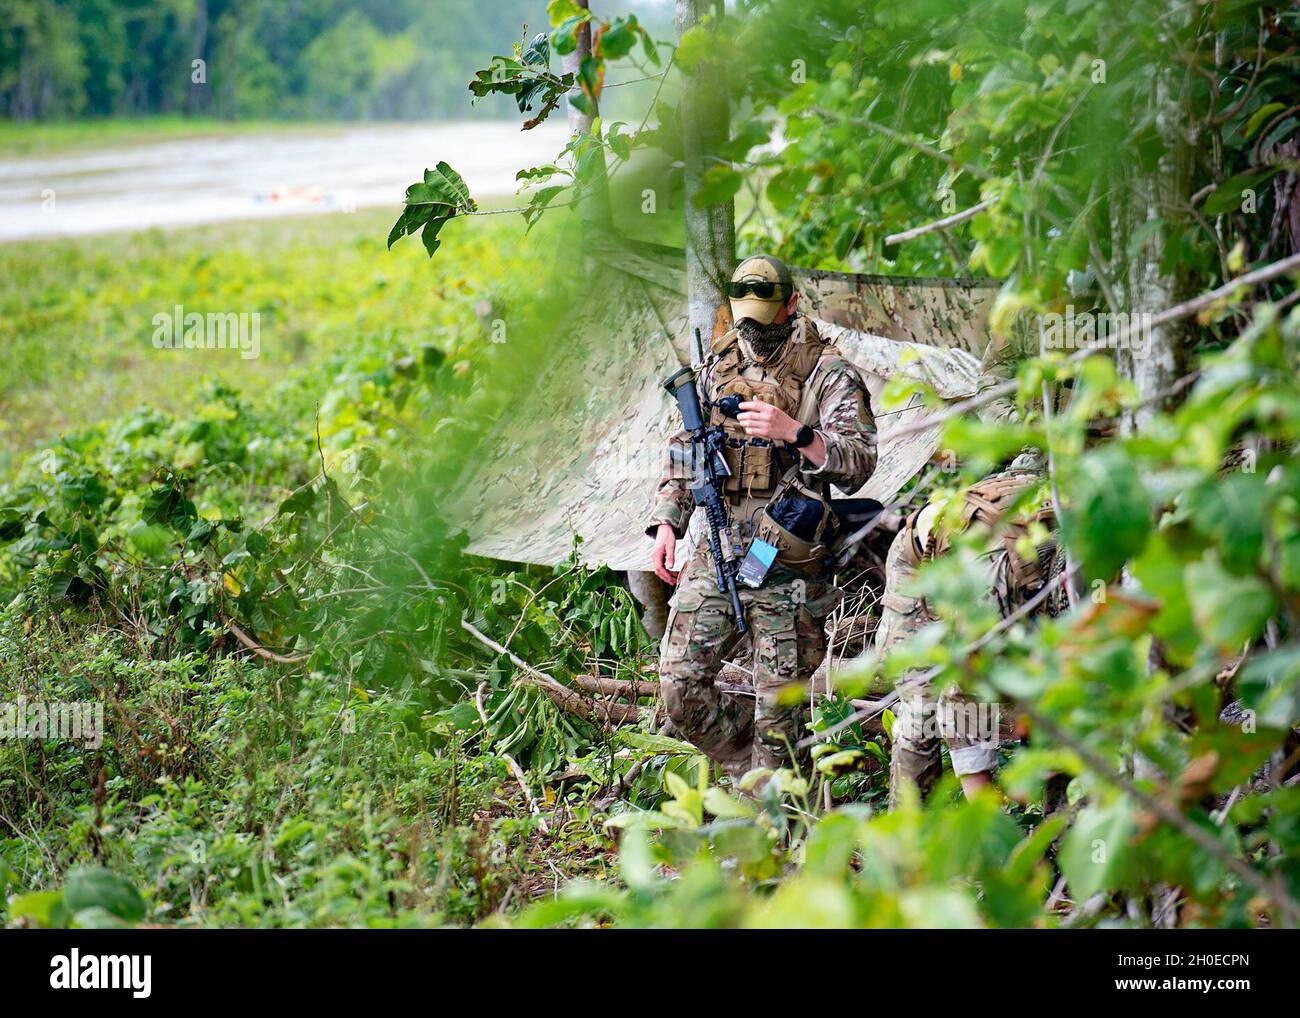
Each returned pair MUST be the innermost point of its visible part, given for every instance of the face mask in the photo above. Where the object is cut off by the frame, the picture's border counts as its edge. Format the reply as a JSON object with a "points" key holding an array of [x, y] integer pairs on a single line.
{"points": [[766, 340]]}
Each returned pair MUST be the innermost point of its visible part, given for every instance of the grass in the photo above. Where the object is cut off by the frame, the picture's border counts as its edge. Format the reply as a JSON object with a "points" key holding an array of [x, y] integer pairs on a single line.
{"points": [[26, 139], [76, 316], [277, 810]]}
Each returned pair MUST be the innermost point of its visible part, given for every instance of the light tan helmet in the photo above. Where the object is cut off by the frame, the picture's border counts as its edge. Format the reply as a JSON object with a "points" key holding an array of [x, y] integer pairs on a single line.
{"points": [[759, 288]]}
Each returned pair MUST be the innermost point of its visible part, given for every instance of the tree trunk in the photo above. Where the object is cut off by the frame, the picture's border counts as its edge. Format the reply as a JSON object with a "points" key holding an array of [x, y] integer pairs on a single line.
{"points": [[649, 590], [1162, 356], [710, 232], [594, 206]]}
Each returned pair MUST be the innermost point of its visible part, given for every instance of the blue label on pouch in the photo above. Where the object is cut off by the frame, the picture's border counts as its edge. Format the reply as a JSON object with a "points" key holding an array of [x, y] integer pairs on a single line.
{"points": [[758, 560]]}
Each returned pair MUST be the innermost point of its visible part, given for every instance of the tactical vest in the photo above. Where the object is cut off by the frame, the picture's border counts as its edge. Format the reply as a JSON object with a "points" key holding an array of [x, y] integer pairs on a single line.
{"points": [[1015, 579], [756, 465]]}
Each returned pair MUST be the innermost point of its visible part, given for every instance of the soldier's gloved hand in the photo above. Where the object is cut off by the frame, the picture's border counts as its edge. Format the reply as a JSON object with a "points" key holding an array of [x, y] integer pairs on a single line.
{"points": [[665, 549], [762, 420]]}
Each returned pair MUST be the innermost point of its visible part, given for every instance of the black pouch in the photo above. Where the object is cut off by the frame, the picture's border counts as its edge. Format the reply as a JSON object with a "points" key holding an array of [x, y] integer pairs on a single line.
{"points": [[853, 513], [801, 516], [797, 528]]}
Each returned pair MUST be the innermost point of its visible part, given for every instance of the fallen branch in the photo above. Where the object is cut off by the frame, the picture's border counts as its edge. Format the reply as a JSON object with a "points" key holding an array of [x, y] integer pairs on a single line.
{"points": [[602, 712], [629, 689], [513, 764], [606, 714]]}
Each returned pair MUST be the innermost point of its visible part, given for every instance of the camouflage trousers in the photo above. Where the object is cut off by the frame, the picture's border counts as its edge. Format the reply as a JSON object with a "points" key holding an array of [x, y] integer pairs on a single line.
{"points": [[738, 731], [926, 717]]}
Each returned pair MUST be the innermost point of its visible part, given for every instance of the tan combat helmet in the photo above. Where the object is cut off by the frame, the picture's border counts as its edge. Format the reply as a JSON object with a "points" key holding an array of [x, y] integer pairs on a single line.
{"points": [[759, 288]]}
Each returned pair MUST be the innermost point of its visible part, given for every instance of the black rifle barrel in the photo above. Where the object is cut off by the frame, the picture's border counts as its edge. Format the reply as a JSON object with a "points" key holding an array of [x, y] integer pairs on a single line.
{"points": [[707, 493]]}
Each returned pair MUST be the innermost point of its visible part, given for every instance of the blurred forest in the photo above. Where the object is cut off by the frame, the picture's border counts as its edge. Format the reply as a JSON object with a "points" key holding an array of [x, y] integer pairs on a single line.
{"points": [[263, 59]]}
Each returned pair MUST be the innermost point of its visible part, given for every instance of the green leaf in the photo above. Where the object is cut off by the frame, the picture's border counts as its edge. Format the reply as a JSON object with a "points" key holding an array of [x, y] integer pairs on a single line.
{"points": [[1228, 195], [1020, 867], [719, 184], [656, 743], [429, 235], [441, 186], [560, 11], [618, 39], [1230, 511], [938, 908], [96, 887], [200, 533], [998, 255], [1260, 116], [538, 202], [1270, 686], [1161, 570], [1096, 855], [44, 908], [299, 501], [1229, 610], [636, 864], [1107, 516], [12, 524], [167, 506], [695, 45], [720, 804], [412, 218], [564, 37]]}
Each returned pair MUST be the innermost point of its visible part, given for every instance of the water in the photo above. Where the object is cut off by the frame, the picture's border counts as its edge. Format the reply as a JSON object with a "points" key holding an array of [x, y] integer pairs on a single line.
{"points": [[253, 175]]}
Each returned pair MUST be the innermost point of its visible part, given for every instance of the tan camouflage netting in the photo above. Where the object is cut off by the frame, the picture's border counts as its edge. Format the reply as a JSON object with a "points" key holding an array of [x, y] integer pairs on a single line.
{"points": [[584, 454]]}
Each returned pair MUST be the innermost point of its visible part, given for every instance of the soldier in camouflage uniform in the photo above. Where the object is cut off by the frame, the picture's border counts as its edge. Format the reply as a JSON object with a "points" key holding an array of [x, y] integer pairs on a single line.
{"points": [[805, 424], [923, 718], [926, 716]]}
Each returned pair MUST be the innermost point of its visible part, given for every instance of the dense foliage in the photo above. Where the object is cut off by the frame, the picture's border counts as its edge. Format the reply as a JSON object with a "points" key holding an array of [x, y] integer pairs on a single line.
{"points": [[305, 729]]}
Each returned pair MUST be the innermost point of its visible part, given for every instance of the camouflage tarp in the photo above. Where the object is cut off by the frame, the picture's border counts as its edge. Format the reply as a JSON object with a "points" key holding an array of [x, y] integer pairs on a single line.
{"points": [[583, 457]]}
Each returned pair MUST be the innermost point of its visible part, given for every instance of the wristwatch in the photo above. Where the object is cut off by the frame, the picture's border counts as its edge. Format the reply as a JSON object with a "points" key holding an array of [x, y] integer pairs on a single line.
{"points": [[804, 437]]}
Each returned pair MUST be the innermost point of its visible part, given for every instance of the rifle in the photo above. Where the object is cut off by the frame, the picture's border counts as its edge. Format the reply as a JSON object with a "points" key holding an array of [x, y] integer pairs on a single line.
{"points": [[706, 452]]}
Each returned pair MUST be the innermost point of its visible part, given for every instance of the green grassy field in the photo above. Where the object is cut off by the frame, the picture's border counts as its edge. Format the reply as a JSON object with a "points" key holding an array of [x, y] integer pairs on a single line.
{"points": [[23, 139], [76, 316], [372, 364]]}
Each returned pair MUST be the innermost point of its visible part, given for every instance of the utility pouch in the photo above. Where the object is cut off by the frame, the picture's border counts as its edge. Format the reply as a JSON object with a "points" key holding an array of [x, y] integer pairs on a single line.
{"points": [[796, 527], [751, 467]]}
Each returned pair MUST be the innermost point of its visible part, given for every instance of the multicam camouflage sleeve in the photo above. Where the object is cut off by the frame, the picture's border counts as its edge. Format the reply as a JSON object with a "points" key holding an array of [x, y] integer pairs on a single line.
{"points": [[673, 503], [848, 429], [1002, 359]]}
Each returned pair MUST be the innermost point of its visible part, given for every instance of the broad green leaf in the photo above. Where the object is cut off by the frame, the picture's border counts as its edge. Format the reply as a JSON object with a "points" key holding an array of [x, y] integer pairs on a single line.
{"points": [[559, 11], [1228, 196], [617, 40], [96, 887], [720, 804], [44, 908], [1230, 511], [1106, 518], [719, 184], [1260, 116], [1097, 853], [1229, 610]]}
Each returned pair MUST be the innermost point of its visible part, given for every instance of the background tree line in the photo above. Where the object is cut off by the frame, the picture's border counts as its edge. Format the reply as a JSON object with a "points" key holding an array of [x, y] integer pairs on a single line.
{"points": [[325, 59]]}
